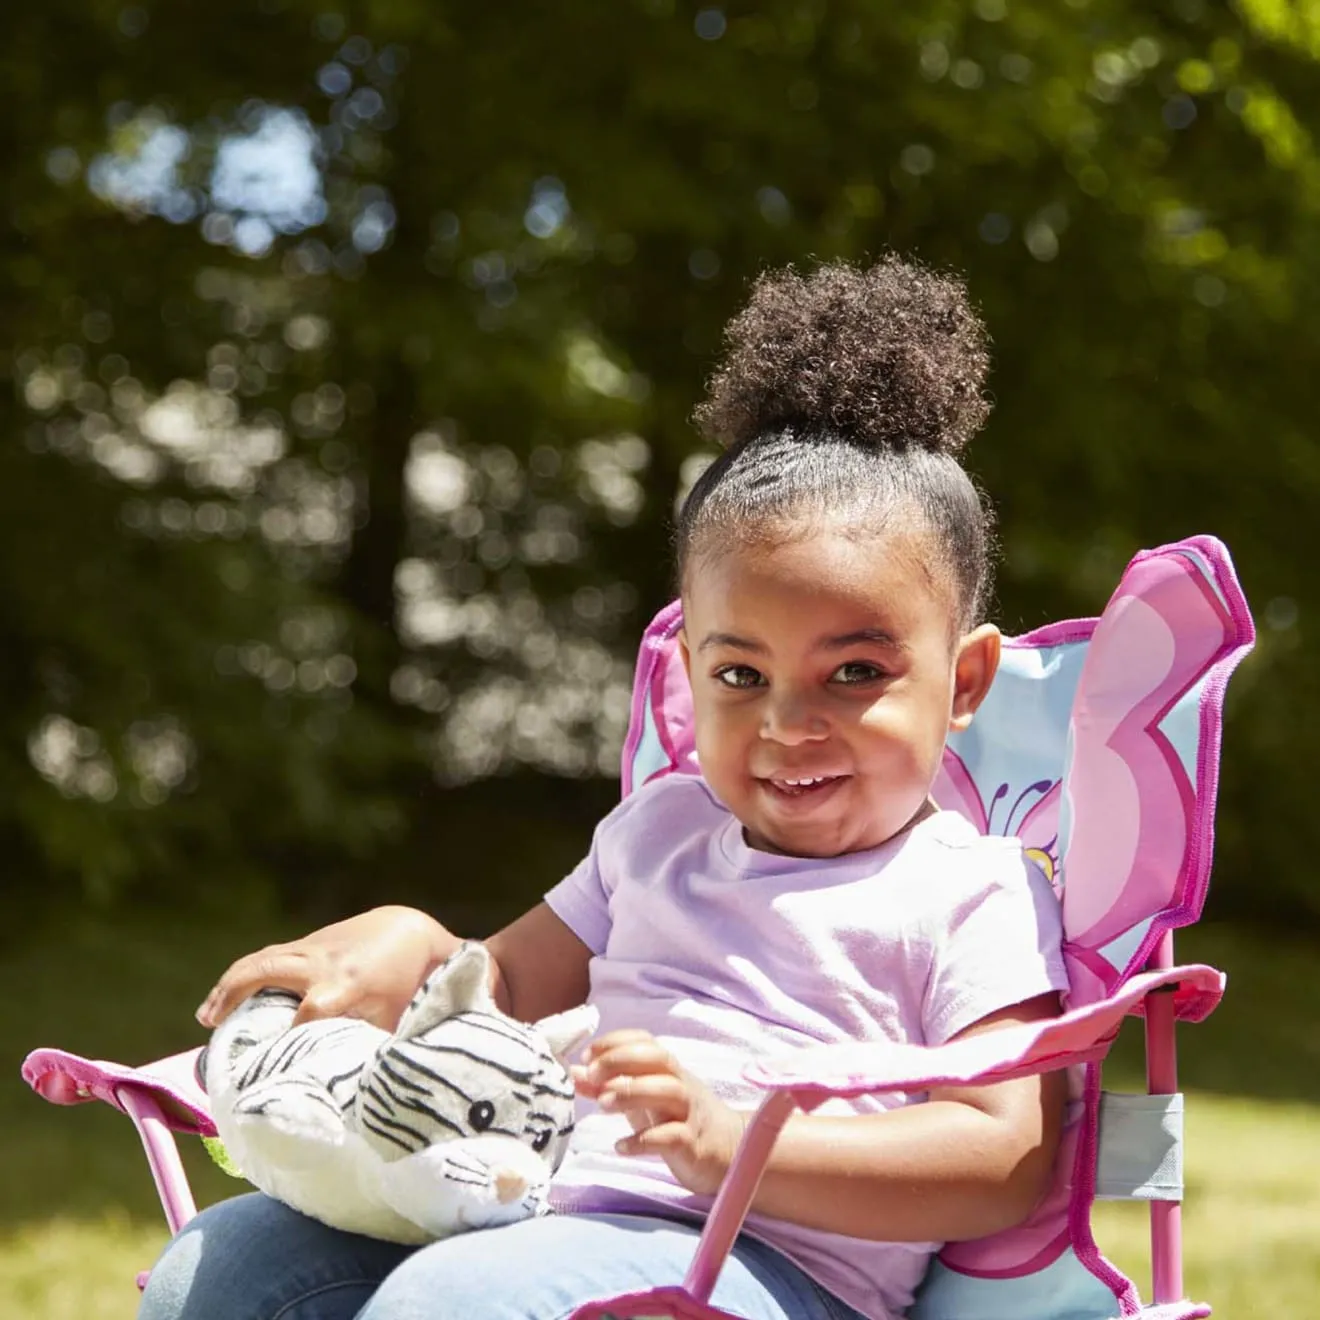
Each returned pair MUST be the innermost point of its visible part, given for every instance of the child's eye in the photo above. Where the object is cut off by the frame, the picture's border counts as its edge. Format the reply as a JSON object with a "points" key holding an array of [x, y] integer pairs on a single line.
{"points": [[739, 676], [856, 671]]}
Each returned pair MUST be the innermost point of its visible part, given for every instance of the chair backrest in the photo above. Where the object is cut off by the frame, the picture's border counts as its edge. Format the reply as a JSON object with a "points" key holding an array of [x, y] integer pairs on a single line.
{"points": [[1098, 745]]}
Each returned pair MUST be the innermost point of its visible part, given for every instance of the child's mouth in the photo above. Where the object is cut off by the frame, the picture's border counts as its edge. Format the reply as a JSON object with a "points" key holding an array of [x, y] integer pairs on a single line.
{"points": [[804, 785]]}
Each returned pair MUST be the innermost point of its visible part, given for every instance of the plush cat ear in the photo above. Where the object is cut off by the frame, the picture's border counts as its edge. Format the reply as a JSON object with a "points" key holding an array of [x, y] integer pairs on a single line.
{"points": [[459, 985], [564, 1032]]}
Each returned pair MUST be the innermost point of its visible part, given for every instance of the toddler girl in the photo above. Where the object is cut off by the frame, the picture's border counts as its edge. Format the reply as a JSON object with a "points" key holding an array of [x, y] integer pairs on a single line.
{"points": [[833, 565]]}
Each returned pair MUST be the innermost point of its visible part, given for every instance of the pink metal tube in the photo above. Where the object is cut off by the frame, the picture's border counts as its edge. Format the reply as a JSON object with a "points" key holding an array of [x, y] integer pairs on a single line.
{"points": [[1162, 1079], [735, 1197], [176, 1196]]}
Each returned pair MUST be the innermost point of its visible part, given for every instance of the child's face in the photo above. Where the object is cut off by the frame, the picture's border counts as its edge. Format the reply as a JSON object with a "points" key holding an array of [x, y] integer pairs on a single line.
{"points": [[825, 676]]}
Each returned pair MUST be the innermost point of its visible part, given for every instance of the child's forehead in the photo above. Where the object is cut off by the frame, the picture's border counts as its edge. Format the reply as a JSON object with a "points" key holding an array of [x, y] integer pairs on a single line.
{"points": [[881, 578]]}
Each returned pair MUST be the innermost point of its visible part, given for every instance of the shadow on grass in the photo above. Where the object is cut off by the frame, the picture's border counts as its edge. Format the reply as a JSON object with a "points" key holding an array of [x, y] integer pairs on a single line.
{"points": [[124, 988]]}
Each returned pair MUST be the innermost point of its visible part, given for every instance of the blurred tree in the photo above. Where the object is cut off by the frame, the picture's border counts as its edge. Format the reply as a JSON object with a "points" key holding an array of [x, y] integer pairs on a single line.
{"points": [[352, 347]]}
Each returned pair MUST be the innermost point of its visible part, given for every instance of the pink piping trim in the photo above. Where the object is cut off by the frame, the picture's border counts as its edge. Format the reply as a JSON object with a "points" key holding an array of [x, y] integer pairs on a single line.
{"points": [[657, 683], [1046, 1256], [666, 1301], [1187, 791], [1083, 1198], [1094, 961], [658, 632], [1062, 633], [1195, 880]]}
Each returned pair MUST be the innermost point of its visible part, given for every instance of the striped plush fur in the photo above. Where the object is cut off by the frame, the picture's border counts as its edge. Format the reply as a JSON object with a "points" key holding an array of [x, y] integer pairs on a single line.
{"points": [[455, 1120]]}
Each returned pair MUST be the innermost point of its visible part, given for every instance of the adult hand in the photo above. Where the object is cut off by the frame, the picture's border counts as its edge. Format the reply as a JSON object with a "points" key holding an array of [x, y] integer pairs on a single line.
{"points": [[673, 1114], [366, 967]]}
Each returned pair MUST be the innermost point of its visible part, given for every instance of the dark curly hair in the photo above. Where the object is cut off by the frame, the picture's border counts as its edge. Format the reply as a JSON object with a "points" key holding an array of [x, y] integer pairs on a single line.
{"points": [[849, 390]]}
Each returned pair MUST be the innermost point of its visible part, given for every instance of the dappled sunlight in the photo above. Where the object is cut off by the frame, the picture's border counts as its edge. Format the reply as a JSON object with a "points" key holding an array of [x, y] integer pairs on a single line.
{"points": [[141, 171], [264, 179], [611, 475], [70, 756], [569, 719], [158, 755], [267, 180], [200, 429], [558, 697]]}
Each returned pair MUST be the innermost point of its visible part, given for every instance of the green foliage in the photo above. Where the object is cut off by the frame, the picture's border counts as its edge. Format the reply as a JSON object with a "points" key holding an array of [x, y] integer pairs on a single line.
{"points": [[339, 472]]}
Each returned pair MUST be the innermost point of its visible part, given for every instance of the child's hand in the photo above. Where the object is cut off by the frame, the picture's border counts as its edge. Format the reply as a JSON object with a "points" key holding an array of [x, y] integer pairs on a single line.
{"points": [[367, 967], [673, 1115]]}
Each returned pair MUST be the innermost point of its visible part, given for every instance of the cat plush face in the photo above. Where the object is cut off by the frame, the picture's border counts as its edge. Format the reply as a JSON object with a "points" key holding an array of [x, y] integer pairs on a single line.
{"points": [[458, 1067]]}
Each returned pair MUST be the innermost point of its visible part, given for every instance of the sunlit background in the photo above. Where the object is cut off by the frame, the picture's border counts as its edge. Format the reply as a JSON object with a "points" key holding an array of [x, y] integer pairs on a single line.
{"points": [[348, 355]]}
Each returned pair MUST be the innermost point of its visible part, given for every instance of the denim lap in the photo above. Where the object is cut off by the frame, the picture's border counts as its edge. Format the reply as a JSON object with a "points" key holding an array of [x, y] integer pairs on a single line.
{"points": [[253, 1259]]}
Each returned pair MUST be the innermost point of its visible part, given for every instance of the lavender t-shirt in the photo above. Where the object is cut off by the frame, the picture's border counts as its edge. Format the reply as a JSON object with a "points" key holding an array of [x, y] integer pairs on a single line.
{"points": [[730, 955]]}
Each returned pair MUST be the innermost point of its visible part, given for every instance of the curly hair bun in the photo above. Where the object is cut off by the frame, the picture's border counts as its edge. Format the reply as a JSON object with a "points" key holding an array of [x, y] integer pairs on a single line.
{"points": [[892, 355]]}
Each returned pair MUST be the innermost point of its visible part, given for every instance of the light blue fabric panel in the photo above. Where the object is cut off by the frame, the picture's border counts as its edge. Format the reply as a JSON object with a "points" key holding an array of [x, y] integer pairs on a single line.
{"points": [[650, 755], [1141, 1148], [1065, 814], [1182, 727], [1064, 1290], [1119, 951], [1019, 735], [1206, 570]]}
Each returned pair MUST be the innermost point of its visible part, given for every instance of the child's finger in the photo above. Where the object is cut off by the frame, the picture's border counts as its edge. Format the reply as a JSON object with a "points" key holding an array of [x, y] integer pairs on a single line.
{"points": [[655, 1140], [583, 1083], [662, 1096], [323, 1002], [612, 1039], [634, 1060], [276, 966]]}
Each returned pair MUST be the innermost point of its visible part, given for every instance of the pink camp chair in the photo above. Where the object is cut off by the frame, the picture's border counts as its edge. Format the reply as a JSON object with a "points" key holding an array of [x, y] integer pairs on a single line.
{"points": [[1098, 745]]}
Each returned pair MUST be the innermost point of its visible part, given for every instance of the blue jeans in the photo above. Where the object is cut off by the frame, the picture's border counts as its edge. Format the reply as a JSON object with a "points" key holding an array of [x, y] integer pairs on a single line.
{"points": [[252, 1258]]}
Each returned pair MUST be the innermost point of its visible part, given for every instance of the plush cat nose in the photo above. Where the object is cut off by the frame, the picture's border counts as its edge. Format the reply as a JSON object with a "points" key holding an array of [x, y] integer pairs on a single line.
{"points": [[509, 1185]]}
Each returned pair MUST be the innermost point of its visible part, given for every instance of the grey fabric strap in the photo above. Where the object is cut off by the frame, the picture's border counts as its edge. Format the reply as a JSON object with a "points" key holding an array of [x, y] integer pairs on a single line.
{"points": [[1141, 1148]]}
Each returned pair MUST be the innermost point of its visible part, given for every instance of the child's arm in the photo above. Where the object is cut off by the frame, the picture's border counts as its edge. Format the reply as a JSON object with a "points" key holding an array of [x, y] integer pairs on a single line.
{"points": [[369, 966], [971, 1161]]}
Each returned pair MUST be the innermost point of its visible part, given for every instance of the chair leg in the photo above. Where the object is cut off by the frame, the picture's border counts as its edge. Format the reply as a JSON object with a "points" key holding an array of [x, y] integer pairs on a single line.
{"points": [[167, 1170], [1162, 1079]]}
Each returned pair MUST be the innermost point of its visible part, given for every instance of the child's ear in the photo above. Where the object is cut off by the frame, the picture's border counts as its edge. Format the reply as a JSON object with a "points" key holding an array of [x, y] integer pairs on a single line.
{"points": [[973, 672], [685, 653]]}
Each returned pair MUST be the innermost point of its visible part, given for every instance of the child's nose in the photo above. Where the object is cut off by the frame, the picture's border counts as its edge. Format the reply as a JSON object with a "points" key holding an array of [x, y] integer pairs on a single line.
{"points": [[792, 719]]}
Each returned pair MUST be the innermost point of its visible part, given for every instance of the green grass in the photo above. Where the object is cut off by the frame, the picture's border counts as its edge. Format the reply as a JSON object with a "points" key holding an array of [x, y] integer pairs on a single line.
{"points": [[1251, 1223], [78, 1215]]}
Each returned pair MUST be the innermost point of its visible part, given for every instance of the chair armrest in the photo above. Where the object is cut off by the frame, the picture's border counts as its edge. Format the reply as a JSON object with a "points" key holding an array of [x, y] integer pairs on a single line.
{"points": [[1080, 1035], [69, 1079]]}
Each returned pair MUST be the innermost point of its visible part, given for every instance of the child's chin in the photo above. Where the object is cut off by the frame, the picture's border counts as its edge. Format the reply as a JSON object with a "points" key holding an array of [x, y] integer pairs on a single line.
{"points": [[811, 844]]}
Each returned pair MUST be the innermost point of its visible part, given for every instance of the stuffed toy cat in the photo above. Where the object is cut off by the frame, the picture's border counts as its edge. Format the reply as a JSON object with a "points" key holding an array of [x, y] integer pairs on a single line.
{"points": [[456, 1120]]}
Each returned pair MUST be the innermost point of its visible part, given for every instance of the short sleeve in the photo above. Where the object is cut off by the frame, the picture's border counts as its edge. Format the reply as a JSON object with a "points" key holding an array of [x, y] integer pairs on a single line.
{"points": [[998, 945], [581, 902], [633, 839]]}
